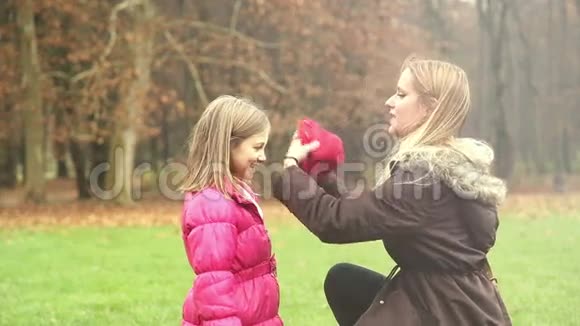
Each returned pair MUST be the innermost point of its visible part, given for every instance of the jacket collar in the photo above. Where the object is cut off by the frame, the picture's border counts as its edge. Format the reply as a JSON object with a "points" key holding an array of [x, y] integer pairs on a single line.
{"points": [[468, 176], [236, 195], [232, 192]]}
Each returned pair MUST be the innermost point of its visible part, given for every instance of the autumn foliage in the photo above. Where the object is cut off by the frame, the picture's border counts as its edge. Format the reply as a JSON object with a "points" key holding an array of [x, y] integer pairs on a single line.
{"points": [[136, 74]]}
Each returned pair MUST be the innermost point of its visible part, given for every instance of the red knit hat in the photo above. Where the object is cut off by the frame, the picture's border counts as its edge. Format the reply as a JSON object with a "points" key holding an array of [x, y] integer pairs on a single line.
{"points": [[329, 154]]}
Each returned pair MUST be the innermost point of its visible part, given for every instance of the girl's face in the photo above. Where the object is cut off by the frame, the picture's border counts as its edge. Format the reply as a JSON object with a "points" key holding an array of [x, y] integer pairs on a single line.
{"points": [[405, 109], [248, 154]]}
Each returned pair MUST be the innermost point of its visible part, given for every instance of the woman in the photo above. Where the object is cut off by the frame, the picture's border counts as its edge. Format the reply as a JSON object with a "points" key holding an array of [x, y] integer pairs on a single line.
{"points": [[435, 211]]}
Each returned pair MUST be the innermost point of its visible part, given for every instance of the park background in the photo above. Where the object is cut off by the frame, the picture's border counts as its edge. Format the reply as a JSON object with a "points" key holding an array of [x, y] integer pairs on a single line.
{"points": [[97, 100]]}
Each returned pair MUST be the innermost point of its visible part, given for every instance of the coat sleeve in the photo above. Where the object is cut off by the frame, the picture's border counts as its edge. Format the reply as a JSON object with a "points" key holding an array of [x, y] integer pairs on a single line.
{"points": [[330, 182], [211, 246], [370, 215]]}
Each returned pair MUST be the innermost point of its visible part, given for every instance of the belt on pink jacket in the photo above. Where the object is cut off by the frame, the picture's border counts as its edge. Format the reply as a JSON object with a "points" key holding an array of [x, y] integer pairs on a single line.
{"points": [[263, 268]]}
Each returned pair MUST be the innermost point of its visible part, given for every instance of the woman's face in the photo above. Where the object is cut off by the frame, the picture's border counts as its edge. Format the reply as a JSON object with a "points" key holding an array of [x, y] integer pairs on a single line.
{"points": [[248, 154], [406, 112]]}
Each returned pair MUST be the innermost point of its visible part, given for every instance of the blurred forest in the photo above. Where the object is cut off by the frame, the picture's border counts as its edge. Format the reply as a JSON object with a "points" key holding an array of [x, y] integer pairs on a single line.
{"points": [[83, 80]]}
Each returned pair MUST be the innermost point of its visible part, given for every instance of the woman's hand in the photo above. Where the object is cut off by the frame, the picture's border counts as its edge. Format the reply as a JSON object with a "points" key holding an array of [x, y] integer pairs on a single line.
{"points": [[297, 151]]}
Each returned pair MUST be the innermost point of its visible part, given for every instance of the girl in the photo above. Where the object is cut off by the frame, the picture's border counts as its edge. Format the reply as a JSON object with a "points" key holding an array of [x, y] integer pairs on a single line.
{"points": [[222, 225]]}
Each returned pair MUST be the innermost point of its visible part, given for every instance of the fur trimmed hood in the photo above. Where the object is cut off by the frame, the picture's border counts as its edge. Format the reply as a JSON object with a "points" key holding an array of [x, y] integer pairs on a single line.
{"points": [[464, 167]]}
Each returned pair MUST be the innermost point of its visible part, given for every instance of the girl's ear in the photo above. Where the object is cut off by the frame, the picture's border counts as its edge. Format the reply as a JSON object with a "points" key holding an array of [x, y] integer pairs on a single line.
{"points": [[234, 142]]}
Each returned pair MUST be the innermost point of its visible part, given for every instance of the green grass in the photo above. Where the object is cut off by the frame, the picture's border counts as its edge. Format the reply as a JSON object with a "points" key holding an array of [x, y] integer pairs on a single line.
{"points": [[139, 276]]}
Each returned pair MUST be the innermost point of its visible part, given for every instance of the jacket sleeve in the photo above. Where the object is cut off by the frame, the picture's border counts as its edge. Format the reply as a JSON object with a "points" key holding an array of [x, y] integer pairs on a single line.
{"points": [[370, 215], [211, 246], [330, 182]]}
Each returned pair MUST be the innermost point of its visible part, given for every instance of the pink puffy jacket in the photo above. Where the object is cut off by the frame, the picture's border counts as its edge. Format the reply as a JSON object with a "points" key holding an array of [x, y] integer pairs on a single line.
{"points": [[230, 252]]}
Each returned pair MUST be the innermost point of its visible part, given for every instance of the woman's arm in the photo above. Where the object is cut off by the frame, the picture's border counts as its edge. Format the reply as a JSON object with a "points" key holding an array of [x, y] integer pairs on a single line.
{"points": [[328, 180], [330, 183], [371, 215]]}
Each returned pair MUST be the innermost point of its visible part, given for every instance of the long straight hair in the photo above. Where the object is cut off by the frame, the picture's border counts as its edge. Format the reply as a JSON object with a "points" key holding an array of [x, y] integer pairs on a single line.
{"points": [[226, 122], [443, 90]]}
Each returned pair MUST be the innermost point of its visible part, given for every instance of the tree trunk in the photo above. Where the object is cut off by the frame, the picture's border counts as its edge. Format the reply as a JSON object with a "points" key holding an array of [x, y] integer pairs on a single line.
{"points": [[80, 162], [99, 154], [492, 16], [553, 103], [124, 140], [503, 141], [483, 68], [437, 24], [7, 122], [576, 124], [7, 151], [59, 145], [61, 168], [528, 111], [563, 84], [31, 103], [567, 158], [7, 164], [165, 138]]}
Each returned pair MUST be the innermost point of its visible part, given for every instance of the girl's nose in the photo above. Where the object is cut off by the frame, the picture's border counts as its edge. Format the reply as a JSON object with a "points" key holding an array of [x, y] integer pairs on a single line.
{"points": [[390, 103], [262, 158]]}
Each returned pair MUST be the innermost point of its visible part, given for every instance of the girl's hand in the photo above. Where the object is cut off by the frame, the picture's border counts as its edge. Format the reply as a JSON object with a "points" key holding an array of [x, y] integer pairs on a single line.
{"points": [[298, 151]]}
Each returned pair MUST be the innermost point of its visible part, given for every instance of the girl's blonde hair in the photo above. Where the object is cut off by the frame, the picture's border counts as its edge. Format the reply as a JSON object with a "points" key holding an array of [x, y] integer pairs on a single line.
{"points": [[444, 91], [225, 123]]}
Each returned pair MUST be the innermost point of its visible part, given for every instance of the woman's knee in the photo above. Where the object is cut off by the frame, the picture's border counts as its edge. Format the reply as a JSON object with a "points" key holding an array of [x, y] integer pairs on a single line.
{"points": [[336, 275]]}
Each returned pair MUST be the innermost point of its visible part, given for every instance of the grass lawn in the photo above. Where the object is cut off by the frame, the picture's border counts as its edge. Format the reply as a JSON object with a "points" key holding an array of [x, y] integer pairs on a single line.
{"points": [[138, 275]]}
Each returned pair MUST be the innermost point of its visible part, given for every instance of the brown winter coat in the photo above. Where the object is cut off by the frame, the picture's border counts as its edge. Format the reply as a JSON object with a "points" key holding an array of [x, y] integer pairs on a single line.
{"points": [[437, 230]]}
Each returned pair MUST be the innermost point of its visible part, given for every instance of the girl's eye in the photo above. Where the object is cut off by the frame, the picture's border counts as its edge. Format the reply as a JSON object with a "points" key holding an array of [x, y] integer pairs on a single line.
{"points": [[400, 95]]}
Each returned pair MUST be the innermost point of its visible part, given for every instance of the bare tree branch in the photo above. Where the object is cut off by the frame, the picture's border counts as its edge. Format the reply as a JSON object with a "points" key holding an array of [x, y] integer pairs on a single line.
{"points": [[112, 39], [56, 74], [229, 63], [191, 66], [235, 15], [227, 32], [242, 65]]}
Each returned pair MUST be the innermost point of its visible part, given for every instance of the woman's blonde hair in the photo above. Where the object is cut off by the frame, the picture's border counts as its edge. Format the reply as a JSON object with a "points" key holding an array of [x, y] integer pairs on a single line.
{"points": [[226, 122], [443, 90]]}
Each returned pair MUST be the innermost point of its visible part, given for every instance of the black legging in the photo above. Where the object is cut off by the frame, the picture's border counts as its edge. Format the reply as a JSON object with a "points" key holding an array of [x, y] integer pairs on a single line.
{"points": [[350, 290]]}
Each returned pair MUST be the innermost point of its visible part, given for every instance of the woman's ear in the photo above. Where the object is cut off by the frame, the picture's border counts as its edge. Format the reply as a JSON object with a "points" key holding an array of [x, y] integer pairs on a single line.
{"points": [[425, 112], [428, 103], [427, 106]]}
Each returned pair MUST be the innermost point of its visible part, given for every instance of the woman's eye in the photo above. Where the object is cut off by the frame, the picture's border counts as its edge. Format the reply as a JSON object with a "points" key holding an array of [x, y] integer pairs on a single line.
{"points": [[400, 95]]}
